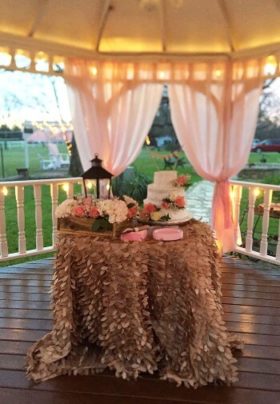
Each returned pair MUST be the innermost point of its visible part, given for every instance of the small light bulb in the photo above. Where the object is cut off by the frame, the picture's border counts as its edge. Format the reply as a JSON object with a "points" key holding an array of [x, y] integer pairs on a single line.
{"points": [[89, 185], [65, 187], [5, 191], [256, 192]]}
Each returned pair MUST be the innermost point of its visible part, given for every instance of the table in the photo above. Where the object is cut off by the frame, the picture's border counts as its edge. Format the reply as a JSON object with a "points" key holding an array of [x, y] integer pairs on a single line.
{"points": [[137, 307]]}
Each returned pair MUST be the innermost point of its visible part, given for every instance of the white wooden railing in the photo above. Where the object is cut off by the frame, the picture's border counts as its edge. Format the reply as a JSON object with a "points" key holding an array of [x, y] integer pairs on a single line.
{"points": [[249, 195], [59, 189]]}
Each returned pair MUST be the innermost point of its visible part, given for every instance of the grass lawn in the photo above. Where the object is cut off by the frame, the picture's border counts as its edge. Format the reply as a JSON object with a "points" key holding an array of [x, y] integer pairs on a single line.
{"points": [[14, 158], [150, 161], [269, 157], [147, 162]]}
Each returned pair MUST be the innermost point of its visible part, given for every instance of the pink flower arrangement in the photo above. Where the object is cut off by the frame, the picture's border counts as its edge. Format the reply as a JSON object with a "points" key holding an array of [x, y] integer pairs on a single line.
{"points": [[114, 210]]}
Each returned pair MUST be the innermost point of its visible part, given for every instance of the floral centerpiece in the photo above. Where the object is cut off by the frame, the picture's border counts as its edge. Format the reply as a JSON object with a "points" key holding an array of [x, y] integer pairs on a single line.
{"points": [[100, 215]]}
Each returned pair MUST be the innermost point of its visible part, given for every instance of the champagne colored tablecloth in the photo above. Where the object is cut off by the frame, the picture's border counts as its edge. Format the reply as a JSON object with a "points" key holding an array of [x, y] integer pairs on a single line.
{"points": [[137, 307]]}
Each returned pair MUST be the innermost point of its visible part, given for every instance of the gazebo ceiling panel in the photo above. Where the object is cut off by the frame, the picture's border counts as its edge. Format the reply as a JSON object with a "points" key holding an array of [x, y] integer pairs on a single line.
{"points": [[257, 25], [186, 27], [18, 17], [71, 23], [129, 31], [184, 34]]}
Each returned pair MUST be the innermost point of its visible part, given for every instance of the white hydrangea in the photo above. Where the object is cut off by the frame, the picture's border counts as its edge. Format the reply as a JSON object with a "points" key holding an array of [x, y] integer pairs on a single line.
{"points": [[65, 208], [128, 200], [114, 208]]}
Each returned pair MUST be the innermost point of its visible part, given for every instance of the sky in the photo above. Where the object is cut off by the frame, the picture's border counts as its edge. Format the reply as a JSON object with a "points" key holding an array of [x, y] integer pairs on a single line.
{"points": [[31, 97]]}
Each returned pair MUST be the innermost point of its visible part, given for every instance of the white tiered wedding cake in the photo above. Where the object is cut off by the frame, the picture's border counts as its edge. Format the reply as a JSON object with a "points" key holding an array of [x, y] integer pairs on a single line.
{"points": [[168, 196]]}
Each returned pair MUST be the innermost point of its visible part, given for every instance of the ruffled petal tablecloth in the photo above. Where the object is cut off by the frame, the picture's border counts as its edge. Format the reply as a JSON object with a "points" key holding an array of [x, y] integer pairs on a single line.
{"points": [[137, 307]]}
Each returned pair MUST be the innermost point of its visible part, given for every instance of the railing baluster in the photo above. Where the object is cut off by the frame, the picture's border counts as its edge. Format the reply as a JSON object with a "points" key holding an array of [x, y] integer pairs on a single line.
{"points": [[54, 198], [19, 192], [237, 199], [70, 192], [250, 220], [38, 217], [265, 221], [3, 236]]}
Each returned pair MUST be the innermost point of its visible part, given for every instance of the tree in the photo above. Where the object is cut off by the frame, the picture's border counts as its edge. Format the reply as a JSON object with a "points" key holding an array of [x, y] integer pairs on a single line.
{"points": [[268, 124]]}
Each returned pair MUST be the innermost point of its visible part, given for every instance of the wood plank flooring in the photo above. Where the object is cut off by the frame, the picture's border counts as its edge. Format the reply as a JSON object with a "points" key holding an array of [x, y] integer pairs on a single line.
{"points": [[251, 301]]}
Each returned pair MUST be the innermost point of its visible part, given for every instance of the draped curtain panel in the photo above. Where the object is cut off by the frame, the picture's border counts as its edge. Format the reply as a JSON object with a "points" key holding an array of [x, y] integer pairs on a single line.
{"points": [[112, 111], [215, 121]]}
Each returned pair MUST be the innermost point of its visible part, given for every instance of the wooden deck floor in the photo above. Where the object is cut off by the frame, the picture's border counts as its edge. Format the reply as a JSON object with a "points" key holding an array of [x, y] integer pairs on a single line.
{"points": [[251, 299]]}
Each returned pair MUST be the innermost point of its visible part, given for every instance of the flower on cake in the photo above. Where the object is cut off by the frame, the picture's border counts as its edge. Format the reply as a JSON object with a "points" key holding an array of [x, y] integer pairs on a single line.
{"points": [[173, 201], [150, 207], [182, 181], [156, 216]]}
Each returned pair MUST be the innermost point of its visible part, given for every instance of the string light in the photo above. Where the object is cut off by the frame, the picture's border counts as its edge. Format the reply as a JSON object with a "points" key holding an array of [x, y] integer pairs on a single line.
{"points": [[65, 187], [270, 66], [219, 245], [256, 192]]}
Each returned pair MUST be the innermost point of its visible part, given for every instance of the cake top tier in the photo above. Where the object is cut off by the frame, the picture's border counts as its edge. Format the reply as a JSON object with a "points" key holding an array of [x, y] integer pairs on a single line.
{"points": [[164, 178]]}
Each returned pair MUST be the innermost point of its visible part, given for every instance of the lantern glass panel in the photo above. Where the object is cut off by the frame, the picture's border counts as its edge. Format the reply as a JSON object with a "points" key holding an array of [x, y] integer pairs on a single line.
{"points": [[105, 188]]}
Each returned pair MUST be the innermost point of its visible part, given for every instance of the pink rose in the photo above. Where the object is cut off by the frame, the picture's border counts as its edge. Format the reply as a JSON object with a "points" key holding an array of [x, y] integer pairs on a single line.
{"points": [[165, 205], [180, 201], [181, 180], [150, 207], [94, 212], [78, 211], [132, 212]]}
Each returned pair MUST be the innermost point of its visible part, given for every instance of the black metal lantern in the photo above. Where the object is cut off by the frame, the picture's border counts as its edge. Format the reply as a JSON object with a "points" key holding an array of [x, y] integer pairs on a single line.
{"points": [[98, 173]]}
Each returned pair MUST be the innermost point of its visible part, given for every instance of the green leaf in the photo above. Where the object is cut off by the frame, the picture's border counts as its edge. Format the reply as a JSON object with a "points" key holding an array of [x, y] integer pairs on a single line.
{"points": [[101, 224]]}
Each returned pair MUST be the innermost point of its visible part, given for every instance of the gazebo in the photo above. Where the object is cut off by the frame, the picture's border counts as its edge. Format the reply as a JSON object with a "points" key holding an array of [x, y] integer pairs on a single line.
{"points": [[115, 64], [115, 56]]}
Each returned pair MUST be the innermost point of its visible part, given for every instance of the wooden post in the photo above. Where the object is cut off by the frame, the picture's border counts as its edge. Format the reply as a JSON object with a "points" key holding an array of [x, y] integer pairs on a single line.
{"points": [[265, 221], [3, 236], [19, 191], [38, 217]]}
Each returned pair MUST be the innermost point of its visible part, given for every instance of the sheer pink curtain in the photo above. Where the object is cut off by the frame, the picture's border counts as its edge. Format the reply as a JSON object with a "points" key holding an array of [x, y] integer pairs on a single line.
{"points": [[214, 115], [112, 110]]}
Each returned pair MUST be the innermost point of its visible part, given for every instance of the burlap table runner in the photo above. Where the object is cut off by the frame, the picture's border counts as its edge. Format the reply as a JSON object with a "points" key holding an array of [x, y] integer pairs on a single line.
{"points": [[137, 307]]}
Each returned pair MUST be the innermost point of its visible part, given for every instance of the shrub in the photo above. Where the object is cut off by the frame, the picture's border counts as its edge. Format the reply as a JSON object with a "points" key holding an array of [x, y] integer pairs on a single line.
{"points": [[133, 184]]}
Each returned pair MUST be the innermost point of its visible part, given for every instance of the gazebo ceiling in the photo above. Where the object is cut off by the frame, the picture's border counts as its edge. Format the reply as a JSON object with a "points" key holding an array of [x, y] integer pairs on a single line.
{"points": [[168, 27]]}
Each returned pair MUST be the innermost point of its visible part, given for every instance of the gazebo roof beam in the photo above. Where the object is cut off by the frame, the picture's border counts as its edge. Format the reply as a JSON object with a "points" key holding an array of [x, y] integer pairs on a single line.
{"points": [[107, 7], [228, 23], [162, 14], [39, 16]]}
